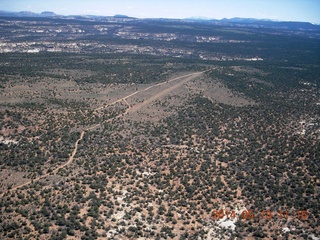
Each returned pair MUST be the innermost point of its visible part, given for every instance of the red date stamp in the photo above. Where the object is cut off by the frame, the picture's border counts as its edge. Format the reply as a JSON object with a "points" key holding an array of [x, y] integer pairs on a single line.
{"points": [[265, 214]]}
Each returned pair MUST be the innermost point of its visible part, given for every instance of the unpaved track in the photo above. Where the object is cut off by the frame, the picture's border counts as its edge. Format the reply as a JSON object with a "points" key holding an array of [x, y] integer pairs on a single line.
{"points": [[72, 155], [130, 108], [54, 171], [165, 91], [146, 89]]}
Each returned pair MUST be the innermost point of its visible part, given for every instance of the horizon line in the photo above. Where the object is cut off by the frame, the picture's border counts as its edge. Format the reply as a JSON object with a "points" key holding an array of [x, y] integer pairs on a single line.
{"points": [[172, 18]]}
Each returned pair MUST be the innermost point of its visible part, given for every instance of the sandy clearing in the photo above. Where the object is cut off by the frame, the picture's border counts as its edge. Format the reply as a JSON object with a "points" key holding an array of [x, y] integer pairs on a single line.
{"points": [[165, 91], [54, 171], [130, 108]]}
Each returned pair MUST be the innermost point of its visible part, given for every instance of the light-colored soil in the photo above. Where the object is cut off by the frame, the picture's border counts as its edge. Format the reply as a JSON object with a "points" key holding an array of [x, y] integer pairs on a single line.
{"points": [[130, 109], [10, 177], [55, 171], [142, 100], [164, 92], [154, 103], [215, 91]]}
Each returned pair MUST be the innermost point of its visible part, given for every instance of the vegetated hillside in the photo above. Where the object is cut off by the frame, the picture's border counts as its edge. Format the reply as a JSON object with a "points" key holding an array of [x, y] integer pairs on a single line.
{"points": [[163, 178]]}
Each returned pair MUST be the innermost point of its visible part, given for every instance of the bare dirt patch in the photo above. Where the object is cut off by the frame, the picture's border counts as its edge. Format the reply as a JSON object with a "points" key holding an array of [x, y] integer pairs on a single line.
{"points": [[247, 69], [10, 178], [160, 101], [163, 100], [215, 91]]}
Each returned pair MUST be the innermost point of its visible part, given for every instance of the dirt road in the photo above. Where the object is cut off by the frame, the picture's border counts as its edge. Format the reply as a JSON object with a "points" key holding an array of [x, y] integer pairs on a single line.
{"points": [[165, 91], [54, 171], [160, 94]]}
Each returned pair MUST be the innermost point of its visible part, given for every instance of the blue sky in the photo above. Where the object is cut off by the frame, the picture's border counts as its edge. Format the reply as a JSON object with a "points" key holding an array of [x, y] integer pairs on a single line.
{"points": [[288, 10]]}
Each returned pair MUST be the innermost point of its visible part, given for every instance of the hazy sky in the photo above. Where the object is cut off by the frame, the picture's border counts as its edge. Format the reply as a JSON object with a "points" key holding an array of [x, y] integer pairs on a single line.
{"points": [[289, 10]]}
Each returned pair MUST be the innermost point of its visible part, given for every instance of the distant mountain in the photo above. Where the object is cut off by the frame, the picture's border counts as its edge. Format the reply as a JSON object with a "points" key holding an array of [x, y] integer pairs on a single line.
{"points": [[18, 14], [267, 23], [27, 14], [121, 16], [48, 14], [200, 19], [242, 22], [52, 14]]}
